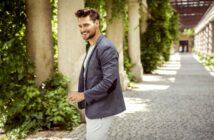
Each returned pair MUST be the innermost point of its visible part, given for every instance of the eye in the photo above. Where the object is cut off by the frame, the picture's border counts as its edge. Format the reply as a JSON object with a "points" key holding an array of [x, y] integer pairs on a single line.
{"points": [[86, 25]]}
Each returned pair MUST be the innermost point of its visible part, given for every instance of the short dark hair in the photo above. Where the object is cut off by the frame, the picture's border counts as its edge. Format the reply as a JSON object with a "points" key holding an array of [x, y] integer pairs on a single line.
{"points": [[93, 14]]}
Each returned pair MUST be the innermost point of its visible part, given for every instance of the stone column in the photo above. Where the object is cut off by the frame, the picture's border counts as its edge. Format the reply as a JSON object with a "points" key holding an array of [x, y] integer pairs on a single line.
{"points": [[209, 38], [212, 36], [203, 41], [115, 33], [197, 42], [70, 43], [39, 38], [143, 16], [134, 39]]}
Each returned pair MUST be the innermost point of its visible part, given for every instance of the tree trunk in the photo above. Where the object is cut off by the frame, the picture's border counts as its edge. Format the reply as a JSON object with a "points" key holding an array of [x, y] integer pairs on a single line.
{"points": [[115, 33], [134, 39], [39, 38]]}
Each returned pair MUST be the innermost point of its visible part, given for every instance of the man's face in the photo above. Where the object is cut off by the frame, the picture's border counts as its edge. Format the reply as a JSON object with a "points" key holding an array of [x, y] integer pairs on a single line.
{"points": [[87, 27]]}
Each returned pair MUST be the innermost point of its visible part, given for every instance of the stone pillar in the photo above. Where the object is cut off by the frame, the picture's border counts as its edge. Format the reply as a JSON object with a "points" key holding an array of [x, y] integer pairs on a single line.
{"points": [[212, 36], [143, 16], [39, 38], [70, 43], [203, 41], [197, 41], [115, 33], [134, 39], [209, 38]]}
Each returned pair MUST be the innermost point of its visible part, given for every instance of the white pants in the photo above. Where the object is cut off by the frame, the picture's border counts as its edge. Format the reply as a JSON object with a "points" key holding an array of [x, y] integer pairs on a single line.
{"points": [[97, 129]]}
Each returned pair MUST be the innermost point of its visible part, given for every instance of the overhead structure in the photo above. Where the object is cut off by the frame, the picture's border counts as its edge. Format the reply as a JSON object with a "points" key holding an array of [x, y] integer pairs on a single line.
{"points": [[190, 11]]}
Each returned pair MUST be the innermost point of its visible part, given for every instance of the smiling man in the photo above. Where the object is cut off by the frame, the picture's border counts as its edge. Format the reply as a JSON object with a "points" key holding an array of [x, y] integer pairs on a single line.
{"points": [[99, 90]]}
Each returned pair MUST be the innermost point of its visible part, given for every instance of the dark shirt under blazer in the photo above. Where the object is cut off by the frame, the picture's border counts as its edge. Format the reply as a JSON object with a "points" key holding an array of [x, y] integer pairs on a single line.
{"points": [[101, 85]]}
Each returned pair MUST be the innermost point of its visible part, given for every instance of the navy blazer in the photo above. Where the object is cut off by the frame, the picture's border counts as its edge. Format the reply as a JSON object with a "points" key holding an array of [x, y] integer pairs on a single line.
{"points": [[101, 85]]}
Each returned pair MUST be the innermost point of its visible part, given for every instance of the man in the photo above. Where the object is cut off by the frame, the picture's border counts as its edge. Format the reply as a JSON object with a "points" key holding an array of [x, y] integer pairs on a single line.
{"points": [[99, 90]]}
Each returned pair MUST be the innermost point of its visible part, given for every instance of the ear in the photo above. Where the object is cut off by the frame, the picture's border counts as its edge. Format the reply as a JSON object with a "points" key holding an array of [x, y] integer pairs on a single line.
{"points": [[97, 23]]}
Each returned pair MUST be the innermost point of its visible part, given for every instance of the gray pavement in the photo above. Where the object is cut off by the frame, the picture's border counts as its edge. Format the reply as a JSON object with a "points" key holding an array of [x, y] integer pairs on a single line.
{"points": [[176, 102]]}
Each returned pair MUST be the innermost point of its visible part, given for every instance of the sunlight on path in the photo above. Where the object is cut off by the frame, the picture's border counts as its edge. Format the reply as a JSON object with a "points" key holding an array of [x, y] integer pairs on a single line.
{"points": [[165, 74], [159, 80]]}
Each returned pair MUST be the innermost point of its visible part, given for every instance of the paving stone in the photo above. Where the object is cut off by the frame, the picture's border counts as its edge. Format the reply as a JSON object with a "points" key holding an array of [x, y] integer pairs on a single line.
{"points": [[176, 102]]}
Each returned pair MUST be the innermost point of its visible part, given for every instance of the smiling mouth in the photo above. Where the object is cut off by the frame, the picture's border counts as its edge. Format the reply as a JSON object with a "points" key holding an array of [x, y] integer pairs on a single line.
{"points": [[84, 33]]}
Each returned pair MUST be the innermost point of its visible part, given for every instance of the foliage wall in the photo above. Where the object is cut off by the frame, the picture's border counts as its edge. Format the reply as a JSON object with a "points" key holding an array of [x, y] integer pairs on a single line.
{"points": [[23, 106], [161, 31]]}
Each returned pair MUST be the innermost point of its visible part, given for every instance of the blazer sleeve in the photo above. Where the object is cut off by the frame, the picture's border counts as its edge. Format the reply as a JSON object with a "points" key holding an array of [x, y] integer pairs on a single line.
{"points": [[81, 104], [109, 65]]}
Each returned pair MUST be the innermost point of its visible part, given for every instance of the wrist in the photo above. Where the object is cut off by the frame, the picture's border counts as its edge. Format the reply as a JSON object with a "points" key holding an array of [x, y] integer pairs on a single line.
{"points": [[83, 95]]}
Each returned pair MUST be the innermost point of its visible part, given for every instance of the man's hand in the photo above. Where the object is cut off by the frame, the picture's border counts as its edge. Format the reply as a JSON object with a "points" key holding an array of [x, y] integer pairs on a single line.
{"points": [[75, 96]]}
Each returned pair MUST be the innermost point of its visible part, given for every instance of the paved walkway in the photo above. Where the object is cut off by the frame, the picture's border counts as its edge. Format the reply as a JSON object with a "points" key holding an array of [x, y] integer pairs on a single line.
{"points": [[174, 103]]}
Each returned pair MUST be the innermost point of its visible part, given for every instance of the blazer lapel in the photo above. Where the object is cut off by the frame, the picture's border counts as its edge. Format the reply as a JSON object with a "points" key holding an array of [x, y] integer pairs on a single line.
{"points": [[95, 47]]}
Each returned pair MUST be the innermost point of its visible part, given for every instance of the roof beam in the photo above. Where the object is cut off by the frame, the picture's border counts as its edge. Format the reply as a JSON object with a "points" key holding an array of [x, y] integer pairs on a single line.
{"points": [[191, 11]]}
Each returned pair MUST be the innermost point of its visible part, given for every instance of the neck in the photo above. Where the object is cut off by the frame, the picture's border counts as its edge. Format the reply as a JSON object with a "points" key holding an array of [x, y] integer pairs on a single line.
{"points": [[93, 40]]}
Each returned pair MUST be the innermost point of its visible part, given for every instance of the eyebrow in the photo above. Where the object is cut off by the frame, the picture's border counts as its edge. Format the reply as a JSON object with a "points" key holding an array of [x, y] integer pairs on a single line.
{"points": [[84, 24]]}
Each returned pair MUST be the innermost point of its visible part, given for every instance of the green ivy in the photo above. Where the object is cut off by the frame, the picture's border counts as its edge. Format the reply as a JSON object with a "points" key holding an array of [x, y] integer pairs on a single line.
{"points": [[25, 108], [54, 23], [126, 59], [122, 11], [207, 60], [99, 5], [162, 30], [119, 8]]}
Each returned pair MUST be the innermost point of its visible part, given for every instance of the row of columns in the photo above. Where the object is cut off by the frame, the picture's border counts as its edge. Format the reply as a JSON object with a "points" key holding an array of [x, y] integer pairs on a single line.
{"points": [[204, 40], [204, 33], [71, 47]]}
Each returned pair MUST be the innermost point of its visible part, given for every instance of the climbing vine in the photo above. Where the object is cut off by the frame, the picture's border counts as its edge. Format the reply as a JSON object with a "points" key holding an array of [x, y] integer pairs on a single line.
{"points": [[25, 108], [161, 31], [119, 9]]}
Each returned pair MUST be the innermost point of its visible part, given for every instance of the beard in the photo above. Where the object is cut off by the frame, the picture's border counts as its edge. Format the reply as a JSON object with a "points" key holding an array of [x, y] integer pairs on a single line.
{"points": [[90, 36]]}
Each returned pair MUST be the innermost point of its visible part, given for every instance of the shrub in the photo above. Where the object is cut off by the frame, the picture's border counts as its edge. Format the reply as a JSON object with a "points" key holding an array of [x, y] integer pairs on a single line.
{"points": [[23, 106], [161, 31], [31, 109]]}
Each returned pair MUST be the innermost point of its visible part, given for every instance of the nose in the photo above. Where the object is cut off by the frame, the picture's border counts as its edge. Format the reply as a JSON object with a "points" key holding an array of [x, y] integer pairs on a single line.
{"points": [[82, 29]]}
